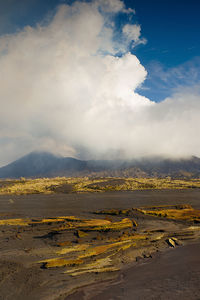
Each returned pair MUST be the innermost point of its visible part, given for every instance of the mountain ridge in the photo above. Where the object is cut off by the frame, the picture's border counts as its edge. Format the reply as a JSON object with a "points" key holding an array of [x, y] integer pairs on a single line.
{"points": [[46, 164]]}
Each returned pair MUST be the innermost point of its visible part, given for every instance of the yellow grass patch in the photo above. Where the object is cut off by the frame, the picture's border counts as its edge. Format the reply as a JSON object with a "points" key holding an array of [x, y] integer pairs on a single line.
{"points": [[52, 220], [97, 225], [97, 250], [99, 263], [75, 248], [85, 184], [65, 243], [114, 212], [95, 270], [15, 222], [32, 186], [57, 220], [123, 224], [179, 212], [61, 262], [81, 234]]}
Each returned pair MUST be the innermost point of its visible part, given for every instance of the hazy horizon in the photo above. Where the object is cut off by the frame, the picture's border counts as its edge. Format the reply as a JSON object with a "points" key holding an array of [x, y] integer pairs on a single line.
{"points": [[147, 159]]}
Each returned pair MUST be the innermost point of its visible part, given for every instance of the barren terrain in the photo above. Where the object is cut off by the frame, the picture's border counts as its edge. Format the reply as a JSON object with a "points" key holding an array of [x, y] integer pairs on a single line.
{"points": [[115, 245]]}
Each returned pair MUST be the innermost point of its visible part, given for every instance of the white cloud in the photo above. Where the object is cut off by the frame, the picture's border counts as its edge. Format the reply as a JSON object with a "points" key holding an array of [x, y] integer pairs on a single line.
{"points": [[132, 33], [113, 6], [59, 93]]}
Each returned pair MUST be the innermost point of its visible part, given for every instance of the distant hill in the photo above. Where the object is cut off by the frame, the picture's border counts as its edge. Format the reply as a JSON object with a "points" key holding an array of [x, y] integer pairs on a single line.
{"points": [[44, 164], [40, 164]]}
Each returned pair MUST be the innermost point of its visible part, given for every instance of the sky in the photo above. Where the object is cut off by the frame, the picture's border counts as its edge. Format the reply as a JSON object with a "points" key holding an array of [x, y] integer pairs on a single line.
{"points": [[99, 78]]}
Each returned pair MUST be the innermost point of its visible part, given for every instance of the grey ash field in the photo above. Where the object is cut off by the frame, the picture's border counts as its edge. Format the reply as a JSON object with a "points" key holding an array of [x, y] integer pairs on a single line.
{"points": [[141, 244]]}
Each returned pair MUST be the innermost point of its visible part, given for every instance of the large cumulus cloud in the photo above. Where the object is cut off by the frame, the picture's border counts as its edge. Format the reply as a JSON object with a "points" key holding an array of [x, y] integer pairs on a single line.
{"points": [[68, 86]]}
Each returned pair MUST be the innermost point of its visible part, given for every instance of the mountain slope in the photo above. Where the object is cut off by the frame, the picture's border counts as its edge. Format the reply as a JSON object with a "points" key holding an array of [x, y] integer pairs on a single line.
{"points": [[38, 164], [44, 164]]}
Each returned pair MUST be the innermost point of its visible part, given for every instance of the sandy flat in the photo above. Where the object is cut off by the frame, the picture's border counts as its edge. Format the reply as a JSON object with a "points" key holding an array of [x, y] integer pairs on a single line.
{"points": [[169, 274], [174, 274]]}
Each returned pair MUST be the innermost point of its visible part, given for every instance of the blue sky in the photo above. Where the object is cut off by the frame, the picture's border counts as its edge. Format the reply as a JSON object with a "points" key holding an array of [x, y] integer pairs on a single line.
{"points": [[172, 30], [170, 27]]}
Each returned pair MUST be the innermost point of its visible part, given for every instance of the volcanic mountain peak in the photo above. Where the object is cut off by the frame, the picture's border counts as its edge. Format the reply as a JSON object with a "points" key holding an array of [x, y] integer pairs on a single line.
{"points": [[46, 164]]}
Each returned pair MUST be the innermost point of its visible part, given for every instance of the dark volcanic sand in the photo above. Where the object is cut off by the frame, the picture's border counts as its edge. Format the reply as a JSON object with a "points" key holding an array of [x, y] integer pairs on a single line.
{"points": [[80, 204], [174, 274]]}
